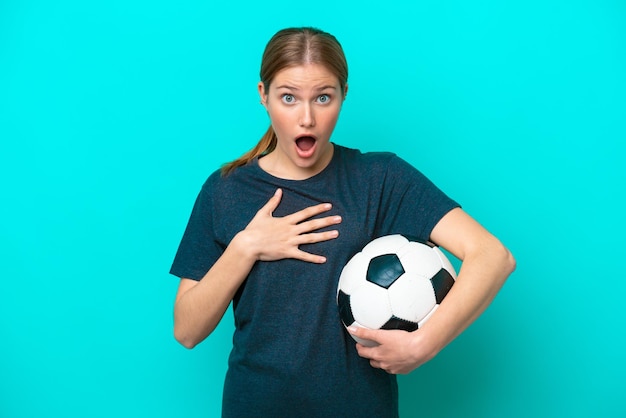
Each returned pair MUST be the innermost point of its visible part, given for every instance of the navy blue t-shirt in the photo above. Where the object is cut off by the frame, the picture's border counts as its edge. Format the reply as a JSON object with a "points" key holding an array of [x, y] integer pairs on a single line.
{"points": [[291, 355]]}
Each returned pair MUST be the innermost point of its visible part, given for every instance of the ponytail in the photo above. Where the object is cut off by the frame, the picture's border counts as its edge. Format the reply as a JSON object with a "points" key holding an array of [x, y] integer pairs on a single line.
{"points": [[265, 146]]}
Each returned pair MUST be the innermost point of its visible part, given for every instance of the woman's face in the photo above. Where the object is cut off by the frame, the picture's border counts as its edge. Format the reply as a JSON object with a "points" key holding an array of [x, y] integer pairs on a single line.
{"points": [[303, 103]]}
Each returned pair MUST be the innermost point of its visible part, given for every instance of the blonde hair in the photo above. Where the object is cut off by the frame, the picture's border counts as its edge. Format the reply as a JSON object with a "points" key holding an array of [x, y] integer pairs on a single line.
{"points": [[288, 48]]}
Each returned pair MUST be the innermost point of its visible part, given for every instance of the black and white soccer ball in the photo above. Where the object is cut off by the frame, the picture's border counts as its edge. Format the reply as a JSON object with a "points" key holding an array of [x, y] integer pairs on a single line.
{"points": [[395, 282]]}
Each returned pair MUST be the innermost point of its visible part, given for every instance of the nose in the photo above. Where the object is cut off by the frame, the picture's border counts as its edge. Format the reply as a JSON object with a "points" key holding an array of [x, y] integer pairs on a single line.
{"points": [[307, 119]]}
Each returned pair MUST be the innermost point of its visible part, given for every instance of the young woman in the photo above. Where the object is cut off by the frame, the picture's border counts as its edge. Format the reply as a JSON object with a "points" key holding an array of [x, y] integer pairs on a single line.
{"points": [[272, 230]]}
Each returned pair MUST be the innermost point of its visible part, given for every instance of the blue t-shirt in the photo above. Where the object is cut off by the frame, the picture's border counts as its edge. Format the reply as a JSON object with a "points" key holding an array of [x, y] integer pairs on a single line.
{"points": [[291, 355]]}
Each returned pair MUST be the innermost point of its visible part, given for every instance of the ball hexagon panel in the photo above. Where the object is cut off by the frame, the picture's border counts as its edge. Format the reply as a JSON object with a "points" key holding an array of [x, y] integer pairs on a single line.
{"points": [[427, 317], [384, 269], [411, 297], [445, 262], [384, 245], [370, 305], [417, 257], [353, 273]]}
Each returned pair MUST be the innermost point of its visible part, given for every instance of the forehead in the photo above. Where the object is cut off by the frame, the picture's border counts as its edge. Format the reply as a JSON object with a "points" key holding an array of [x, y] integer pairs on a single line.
{"points": [[305, 76]]}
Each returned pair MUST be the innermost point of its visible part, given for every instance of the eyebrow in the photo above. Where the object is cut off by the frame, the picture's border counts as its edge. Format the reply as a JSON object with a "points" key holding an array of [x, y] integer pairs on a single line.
{"points": [[285, 86]]}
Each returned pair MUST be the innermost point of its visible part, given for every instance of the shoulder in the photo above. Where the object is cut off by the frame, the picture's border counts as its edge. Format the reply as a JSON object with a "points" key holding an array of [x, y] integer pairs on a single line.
{"points": [[356, 155], [243, 186], [216, 185], [374, 162], [219, 180], [212, 182]]}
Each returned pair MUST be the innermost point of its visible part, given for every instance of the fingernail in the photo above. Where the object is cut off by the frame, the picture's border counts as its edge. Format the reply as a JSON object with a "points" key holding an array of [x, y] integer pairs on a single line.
{"points": [[351, 330]]}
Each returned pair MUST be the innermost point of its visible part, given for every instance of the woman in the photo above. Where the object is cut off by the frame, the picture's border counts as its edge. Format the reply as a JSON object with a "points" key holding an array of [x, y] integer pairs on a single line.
{"points": [[272, 230]]}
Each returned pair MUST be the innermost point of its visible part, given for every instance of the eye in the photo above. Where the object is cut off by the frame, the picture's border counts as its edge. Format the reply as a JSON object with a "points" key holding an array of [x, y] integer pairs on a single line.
{"points": [[324, 98], [288, 98]]}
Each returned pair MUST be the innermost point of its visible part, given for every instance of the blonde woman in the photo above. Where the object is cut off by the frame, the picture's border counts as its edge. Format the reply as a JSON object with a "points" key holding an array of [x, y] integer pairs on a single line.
{"points": [[271, 231]]}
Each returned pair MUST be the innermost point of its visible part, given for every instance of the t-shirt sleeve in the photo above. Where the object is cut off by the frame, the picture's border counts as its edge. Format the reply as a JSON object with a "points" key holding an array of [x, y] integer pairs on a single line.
{"points": [[413, 204], [198, 249]]}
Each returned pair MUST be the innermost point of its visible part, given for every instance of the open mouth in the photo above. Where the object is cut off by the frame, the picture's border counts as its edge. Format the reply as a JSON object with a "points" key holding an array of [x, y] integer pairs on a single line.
{"points": [[305, 143]]}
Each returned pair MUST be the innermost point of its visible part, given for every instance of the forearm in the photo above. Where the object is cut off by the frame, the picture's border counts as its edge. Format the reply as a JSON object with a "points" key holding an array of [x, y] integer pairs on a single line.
{"points": [[482, 274], [199, 309]]}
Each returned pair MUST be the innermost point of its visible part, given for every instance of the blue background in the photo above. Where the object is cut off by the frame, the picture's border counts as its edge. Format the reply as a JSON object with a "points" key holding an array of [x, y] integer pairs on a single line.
{"points": [[113, 113]]}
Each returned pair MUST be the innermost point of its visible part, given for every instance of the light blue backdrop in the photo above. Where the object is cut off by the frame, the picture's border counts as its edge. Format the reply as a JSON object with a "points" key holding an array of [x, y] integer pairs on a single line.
{"points": [[112, 114]]}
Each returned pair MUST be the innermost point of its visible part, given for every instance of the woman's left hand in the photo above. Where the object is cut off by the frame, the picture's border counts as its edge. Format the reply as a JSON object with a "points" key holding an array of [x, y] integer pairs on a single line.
{"points": [[397, 352]]}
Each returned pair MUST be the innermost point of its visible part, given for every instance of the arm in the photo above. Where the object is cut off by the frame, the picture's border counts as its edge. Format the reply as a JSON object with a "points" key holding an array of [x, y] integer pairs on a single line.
{"points": [[200, 305], [486, 266]]}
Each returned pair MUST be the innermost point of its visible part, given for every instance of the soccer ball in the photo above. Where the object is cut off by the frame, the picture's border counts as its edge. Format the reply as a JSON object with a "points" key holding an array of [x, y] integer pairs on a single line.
{"points": [[395, 282]]}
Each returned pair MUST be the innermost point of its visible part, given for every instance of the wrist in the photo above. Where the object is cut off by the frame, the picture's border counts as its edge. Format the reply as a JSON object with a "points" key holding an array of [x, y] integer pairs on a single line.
{"points": [[426, 343], [243, 245]]}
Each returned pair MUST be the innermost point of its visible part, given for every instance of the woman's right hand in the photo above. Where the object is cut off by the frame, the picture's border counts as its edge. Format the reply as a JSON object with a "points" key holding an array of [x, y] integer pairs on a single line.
{"points": [[200, 305], [272, 238]]}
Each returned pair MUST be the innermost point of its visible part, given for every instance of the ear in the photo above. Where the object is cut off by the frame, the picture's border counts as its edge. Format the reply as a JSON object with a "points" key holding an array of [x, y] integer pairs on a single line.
{"points": [[345, 92], [262, 93]]}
